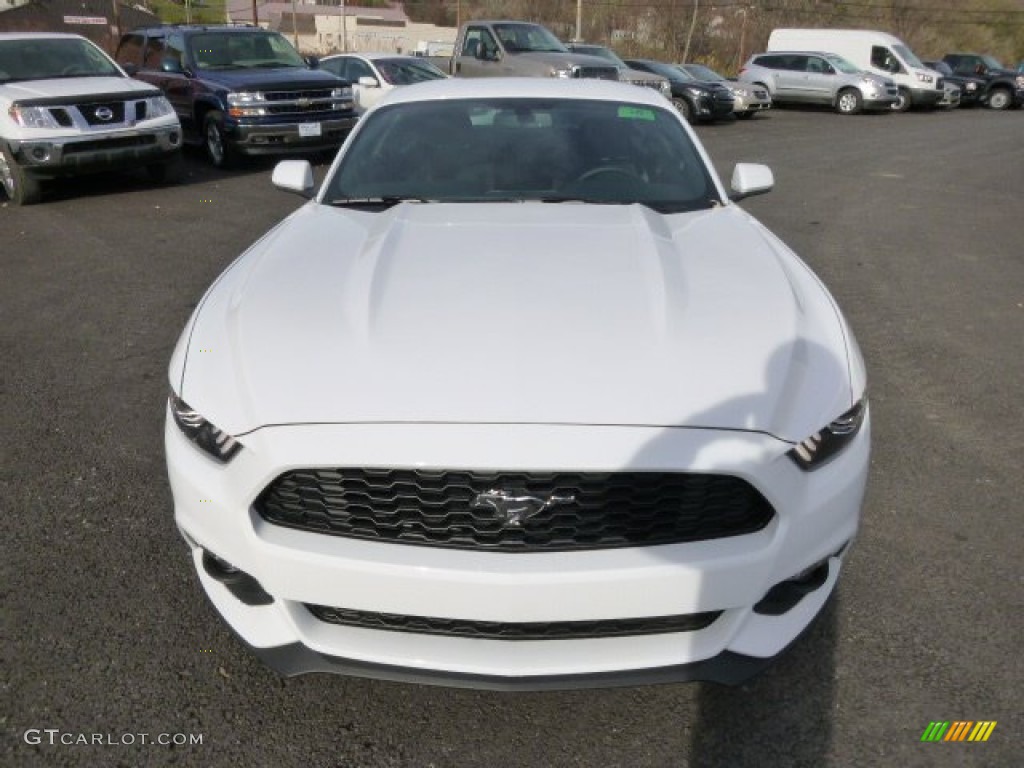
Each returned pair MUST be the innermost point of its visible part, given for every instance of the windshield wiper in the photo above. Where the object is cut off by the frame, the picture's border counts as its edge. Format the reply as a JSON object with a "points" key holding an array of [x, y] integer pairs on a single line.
{"points": [[587, 200], [375, 202]]}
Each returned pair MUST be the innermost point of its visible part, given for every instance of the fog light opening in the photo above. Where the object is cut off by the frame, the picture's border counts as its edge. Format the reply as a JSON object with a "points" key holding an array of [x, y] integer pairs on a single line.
{"points": [[239, 583], [40, 153], [786, 594]]}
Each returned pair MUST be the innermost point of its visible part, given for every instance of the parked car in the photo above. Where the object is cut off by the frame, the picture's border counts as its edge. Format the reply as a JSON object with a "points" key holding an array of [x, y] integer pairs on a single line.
{"points": [[875, 52], [241, 90], [748, 100], [695, 100], [1003, 88], [66, 108], [405, 441], [813, 77], [627, 72], [971, 86], [373, 75]]}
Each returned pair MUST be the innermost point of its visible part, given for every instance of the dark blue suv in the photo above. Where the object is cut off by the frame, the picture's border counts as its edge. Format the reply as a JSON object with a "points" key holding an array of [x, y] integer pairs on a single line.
{"points": [[241, 90]]}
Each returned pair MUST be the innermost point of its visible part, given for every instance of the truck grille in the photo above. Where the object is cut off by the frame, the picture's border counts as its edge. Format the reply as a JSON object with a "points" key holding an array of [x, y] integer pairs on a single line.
{"points": [[599, 73], [301, 102], [498, 630], [442, 508], [102, 113]]}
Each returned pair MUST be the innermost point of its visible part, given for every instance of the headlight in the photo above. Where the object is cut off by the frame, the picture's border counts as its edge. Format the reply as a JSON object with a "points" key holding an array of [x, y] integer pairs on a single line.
{"points": [[245, 98], [921, 76], [816, 450], [158, 106], [32, 117], [560, 72], [342, 93], [740, 92], [665, 87], [695, 92], [971, 86], [1020, 81], [213, 441]]}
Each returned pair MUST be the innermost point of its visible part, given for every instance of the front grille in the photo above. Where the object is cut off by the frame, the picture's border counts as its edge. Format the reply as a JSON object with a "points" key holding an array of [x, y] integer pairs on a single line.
{"points": [[599, 73], [140, 110], [100, 145], [440, 508], [499, 630], [61, 116], [293, 95], [113, 109], [300, 108]]}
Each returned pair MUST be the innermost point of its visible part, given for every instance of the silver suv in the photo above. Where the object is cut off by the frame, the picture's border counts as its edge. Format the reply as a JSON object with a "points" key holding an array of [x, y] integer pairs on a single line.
{"points": [[812, 77]]}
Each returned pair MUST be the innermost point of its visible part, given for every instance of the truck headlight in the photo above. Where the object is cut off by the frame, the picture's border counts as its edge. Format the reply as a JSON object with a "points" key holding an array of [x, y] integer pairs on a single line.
{"points": [[214, 442], [971, 86], [922, 77], [32, 117], [158, 106], [816, 450], [342, 93], [245, 98]]}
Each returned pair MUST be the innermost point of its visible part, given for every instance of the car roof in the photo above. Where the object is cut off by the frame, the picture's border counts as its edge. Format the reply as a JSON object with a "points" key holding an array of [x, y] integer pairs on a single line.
{"points": [[39, 36], [798, 53], [528, 87], [371, 56]]}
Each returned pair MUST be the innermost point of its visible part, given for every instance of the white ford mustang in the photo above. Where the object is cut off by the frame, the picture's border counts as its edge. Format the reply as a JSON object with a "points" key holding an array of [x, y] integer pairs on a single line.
{"points": [[520, 399]]}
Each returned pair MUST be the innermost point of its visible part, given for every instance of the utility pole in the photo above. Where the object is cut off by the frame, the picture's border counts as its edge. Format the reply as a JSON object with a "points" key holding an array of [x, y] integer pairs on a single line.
{"points": [[579, 21], [255, 15], [295, 27], [344, 29], [689, 35]]}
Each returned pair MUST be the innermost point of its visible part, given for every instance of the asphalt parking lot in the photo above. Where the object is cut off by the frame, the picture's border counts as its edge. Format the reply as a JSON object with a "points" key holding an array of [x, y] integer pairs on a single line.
{"points": [[913, 221]]}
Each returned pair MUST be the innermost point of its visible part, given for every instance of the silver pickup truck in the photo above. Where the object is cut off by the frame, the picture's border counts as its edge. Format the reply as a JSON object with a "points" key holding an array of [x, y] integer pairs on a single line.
{"points": [[521, 49]]}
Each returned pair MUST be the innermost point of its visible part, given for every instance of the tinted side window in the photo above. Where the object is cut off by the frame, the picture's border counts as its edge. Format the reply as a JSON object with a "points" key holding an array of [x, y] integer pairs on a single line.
{"points": [[154, 52], [130, 50], [356, 68], [175, 48]]}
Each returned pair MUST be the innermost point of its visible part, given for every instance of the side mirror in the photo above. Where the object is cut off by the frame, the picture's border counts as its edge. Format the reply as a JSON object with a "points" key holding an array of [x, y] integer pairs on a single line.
{"points": [[171, 65], [368, 82], [751, 179], [294, 176], [130, 69], [313, 62]]}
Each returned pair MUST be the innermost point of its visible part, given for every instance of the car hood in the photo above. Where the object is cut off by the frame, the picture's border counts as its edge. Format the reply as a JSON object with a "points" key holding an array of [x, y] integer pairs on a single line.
{"points": [[570, 59], [70, 87], [518, 313], [290, 78]]}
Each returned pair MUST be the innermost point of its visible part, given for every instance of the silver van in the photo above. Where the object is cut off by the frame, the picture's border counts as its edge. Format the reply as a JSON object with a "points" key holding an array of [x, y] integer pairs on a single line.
{"points": [[813, 77]]}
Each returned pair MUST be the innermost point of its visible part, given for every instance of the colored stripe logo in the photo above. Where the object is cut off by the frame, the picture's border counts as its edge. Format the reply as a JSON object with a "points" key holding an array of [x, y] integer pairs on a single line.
{"points": [[959, 730]]}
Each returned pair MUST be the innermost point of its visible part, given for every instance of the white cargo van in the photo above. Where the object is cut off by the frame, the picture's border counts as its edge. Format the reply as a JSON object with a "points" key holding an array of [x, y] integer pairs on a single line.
{"points": [[872, 51]]}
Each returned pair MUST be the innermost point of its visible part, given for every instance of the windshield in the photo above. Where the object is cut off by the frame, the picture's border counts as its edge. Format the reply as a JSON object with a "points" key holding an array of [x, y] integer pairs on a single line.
{"points": [[213, 50], [908, 56], [517, 150], [520, 38], [407, 71], [665, 70], [701, 72], [842, 64], [47, 58]]}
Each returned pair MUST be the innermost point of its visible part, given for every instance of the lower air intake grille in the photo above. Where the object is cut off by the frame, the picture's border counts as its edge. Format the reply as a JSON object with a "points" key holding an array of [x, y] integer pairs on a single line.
{"points": [[497, 630], [563, 510]]}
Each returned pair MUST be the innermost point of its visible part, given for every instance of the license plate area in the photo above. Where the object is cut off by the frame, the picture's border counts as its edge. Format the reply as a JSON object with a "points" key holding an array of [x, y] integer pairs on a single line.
{"points": [[309, 130]]}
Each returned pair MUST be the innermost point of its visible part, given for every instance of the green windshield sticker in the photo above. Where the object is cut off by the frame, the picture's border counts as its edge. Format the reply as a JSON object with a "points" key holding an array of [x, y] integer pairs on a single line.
{"points": [[636, 113]]}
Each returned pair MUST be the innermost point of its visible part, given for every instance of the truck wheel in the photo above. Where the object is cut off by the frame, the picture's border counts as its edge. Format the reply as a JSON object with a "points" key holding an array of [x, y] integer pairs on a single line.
{"points": [[218, 148], [684, 108], [904, 101], [849, 102], [999, 98], [21, 188], [166, 171]]}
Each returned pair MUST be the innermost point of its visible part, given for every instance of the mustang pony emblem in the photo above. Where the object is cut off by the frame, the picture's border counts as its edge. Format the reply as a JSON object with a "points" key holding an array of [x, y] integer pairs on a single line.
{"points": [[512, 509]]}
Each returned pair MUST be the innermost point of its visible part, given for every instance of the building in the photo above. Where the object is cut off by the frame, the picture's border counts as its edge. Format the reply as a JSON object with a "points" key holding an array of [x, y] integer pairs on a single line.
{"points": [[324, 29], [94, 19]]}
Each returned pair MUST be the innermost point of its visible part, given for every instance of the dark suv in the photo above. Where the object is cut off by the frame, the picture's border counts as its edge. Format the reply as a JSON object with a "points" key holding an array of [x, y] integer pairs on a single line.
{"points": [[241, 90], [1003, 88]]}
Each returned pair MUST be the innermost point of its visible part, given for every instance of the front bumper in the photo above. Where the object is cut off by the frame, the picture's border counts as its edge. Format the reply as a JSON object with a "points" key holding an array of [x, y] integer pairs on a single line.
{"points": [[816, 517], [710, 108], [926, 98], [117, 150], [744, 104], [879, 102], [273, 138]]}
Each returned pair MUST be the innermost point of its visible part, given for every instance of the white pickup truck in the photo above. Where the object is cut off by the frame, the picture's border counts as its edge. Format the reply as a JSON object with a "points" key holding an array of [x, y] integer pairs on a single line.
{"points": [[66, 108]]}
